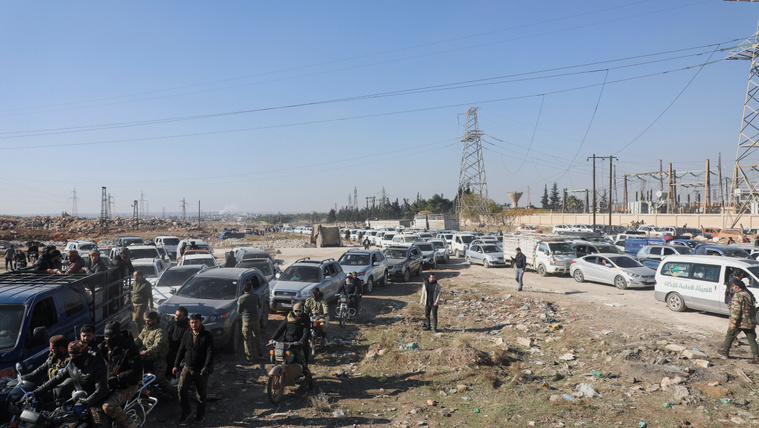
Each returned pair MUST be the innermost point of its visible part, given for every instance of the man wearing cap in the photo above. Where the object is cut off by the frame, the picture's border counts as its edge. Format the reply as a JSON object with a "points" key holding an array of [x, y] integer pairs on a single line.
{"points": [[88, 373], [316, 306], [520, 262], [142, 299], [247, 307], [196, 350], [57, 359], [295, 329], [122, 357], [154, 346], [742, 317]]}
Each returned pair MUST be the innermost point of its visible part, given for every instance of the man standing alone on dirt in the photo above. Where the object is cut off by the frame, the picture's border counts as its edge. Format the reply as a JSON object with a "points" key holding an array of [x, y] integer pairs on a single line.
{"points": [[431, 291], [520, 262], [742, 318]]}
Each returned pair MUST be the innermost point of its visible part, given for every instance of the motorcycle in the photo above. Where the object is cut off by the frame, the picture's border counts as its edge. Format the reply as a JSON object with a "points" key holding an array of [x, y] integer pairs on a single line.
{"points": [[13, 390], [285, 372], [67, 415], [344, 311], [316, 339]]}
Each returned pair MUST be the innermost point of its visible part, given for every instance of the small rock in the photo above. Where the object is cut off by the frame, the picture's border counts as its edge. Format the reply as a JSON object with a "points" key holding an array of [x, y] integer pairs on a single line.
{"points": [[693, 354], [714, 391], [567, 357], [524, 341], [701, 363], [338, 414], [461, 387], [674, 348], [381, 352], [680, 392], [431, 402], [521, 327]]}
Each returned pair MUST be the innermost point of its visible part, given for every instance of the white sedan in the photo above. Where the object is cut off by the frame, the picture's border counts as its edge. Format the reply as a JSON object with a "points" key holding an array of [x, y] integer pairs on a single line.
{"points": [[615, 269]]}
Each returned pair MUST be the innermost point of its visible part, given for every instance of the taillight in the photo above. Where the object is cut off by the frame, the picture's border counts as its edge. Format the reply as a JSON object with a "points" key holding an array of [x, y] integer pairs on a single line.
{"points": [[573, 262]]}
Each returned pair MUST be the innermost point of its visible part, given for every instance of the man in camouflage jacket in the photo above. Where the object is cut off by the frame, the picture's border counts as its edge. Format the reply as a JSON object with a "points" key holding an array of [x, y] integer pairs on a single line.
{"points": [[153, 349], [742, 318]]}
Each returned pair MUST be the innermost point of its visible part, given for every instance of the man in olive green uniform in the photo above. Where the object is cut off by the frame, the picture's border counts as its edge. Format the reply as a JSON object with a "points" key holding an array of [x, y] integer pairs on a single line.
{"points": [[316, 306], [742, 317], [154, 349], [247, 307], [142, 299]]}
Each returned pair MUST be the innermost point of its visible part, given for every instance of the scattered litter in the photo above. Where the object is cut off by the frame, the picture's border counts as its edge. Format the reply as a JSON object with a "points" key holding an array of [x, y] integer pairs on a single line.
{"points": [[477, 410], [596, 373], [409, 346], [725, 400], [587, 390], [615, 305], [642, 424], [570, 398]]}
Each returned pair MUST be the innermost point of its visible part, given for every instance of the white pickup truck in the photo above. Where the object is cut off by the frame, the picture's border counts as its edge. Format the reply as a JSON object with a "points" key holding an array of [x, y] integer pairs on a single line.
{"points": [[545, 253]]}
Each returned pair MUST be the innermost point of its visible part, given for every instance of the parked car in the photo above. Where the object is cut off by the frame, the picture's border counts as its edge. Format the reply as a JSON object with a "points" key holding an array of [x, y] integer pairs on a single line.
{"points": [[581, 228], [125, 241], [198, 258], [583, 248], [170, 243], [429, 256], [149, 252], [173, 278], [441, 250], [652, 255], [721, 250], [213, 293], [265, 265], [460, 242], [370, 265], [619, 270], [403, 261], [299, 279], [485, 254], [185, 243], [82, 247], [387, 239]]}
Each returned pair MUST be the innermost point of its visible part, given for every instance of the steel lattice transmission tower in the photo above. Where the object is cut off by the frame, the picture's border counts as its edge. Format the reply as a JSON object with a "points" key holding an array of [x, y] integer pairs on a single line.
{"points": [[472, 195], [103, 210], [744, 187]]}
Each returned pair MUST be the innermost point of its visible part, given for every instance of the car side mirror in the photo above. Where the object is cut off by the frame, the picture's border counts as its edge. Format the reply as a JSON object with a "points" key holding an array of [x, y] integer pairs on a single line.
{"points": [[173, 291], [39, 336], [328, 278], [277, 275]]}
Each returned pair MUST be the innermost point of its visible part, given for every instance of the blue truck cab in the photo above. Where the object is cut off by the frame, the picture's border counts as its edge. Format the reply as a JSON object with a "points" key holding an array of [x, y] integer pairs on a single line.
{"points": [[34, 307]]}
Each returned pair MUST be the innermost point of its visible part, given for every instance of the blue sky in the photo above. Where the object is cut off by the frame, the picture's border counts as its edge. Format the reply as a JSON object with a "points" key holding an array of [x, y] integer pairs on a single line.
{"points": [[286, 106]]}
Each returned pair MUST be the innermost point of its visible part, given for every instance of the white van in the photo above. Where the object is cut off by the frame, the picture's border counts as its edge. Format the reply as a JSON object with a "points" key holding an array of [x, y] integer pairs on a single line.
{"points": [[460, 243], [698, 282]]}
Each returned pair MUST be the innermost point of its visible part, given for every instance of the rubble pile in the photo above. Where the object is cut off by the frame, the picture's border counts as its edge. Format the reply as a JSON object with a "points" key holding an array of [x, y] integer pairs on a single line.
{"points": [[63, 228]]}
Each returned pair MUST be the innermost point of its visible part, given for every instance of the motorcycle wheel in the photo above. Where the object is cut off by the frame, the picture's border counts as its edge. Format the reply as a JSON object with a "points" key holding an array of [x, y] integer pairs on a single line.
{"points": [[275, 388], [343, 317]]}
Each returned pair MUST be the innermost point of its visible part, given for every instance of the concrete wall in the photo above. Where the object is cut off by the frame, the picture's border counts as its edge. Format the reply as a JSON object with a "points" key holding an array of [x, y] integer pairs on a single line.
{"points": [[679, 220]]}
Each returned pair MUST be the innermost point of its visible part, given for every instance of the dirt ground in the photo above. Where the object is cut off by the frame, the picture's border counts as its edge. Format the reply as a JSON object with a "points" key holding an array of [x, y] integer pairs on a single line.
{"points": [[558, 354]]}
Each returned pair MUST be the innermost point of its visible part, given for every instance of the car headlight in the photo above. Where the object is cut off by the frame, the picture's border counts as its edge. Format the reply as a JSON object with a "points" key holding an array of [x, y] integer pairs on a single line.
{"points": [[217, 317], [633, 275]]}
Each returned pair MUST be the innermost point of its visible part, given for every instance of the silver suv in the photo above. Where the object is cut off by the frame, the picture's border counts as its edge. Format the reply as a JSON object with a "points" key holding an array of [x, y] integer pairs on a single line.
{"points": [[370, 265], [299, 279]]}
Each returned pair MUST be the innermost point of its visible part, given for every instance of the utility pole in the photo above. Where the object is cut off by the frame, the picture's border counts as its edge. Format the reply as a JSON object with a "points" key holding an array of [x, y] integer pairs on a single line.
{"points": [[142, 202], [355, 198], [183, 205], [136, 214], [110, 206], [611, 169], [198, 214]]}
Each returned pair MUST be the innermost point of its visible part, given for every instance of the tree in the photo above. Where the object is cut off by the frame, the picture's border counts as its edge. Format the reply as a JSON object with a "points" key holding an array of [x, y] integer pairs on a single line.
{"points": [[331, 216], [544, 198], [574, 205], [555, 201]]}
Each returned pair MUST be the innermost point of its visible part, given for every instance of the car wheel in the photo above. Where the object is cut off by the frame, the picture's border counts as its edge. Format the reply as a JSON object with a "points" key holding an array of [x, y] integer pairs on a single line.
{"points": [[384, 279], [675, 302], [486, 263], [579, 277], [459, 254], [369, 285], [406, 275], [468, 260], [234, 338], [620, 282], [419, 272], [541, 269]]}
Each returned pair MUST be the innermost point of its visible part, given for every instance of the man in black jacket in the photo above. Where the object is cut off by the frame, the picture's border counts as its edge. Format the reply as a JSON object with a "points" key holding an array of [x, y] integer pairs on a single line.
{"points": [[57, 360], [520, 263], [88, 373], [124, 364], [175, 331], [196, 350], [295, 329]]}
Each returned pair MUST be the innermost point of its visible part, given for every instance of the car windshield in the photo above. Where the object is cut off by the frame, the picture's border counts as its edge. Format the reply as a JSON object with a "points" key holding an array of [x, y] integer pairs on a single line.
{"points": [[467, 239], [388, 237], [208, 261], [130, 241], [490, 249], [625, 262], [175, 277], [409, 239], [148, 271], [736, 252], [300, 274], [260, 264], [561, 248], [11, 317], [608, 249], [395, 254], [143, 253], [86, 248], [354, 260], [438, 244], [425, 247], [210, 288], [170, 241]]}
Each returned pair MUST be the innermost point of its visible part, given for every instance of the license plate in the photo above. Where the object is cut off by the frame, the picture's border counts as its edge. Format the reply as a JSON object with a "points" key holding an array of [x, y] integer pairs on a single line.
{"points": [[287, 305]]}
